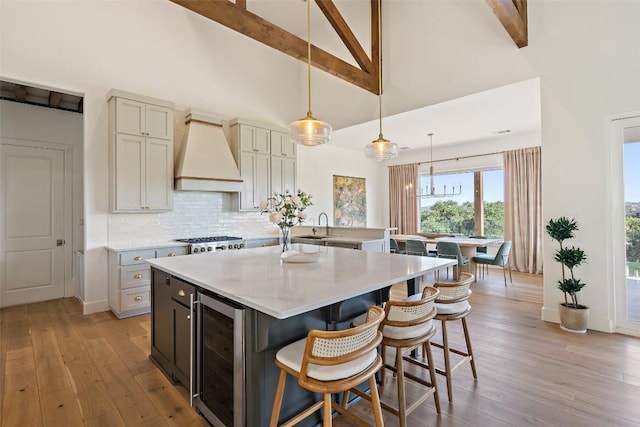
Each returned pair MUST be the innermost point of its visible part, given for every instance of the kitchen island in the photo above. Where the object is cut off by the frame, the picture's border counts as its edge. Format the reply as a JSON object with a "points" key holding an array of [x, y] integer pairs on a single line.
{"points": [[250, 304]]}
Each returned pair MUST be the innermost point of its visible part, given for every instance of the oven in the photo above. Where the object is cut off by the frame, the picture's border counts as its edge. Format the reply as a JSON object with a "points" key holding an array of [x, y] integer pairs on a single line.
{"points": [[217, 385], [199, 245]]}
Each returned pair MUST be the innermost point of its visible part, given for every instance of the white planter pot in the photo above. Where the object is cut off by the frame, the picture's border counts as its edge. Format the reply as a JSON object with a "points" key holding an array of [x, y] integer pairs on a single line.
{"points": [[574, 319]]}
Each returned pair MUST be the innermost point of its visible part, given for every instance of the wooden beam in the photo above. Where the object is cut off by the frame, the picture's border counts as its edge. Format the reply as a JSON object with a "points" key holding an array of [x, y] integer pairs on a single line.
{"points": [[21, 93], [237, 18], [513, 16], [54, 99]]}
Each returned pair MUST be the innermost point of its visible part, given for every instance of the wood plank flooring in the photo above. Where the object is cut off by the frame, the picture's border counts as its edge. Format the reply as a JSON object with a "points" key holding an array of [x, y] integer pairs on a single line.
{"points": [[58, 367]]}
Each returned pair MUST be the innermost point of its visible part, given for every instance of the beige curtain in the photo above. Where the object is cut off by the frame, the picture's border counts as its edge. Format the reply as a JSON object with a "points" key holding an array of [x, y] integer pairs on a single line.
{"points": [[523, 208], [403, 206]]}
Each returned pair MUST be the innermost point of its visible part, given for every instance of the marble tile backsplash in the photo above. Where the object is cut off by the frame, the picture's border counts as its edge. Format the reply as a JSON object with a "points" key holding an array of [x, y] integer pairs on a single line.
{"points": [[195, 214]]}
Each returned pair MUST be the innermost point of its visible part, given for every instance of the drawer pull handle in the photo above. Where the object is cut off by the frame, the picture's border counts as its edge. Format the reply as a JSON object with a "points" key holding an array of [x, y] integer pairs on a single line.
{"points": [[171, 254], [138, 298], [138, 258], [188, 317], [138, 276], [181, 292]]}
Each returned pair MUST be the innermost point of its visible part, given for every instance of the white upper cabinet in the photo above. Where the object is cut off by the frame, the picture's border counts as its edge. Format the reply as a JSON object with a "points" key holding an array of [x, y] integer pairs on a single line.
{"points": [[141, 156], [281, 145]]}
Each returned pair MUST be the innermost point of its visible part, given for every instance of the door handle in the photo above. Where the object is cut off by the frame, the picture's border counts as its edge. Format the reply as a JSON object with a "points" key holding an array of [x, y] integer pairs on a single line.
{"points": [[60, 242]]}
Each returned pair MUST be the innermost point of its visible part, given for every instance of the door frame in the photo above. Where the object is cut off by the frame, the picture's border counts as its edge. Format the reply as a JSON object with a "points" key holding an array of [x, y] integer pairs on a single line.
{"points": [[67, 150], [615, 243]]}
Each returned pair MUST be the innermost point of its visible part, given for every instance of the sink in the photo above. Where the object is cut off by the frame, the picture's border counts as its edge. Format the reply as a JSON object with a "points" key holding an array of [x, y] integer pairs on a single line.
{"points": [[310, 236]]}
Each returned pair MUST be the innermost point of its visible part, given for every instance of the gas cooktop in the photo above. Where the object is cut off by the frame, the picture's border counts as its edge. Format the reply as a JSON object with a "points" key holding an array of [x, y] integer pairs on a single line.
{"points": [[209, 239]]}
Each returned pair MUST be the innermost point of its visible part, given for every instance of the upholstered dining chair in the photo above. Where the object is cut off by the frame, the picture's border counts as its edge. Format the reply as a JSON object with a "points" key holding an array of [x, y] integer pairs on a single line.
{"points": [[481, 250], [395, 248], [452, 250], [329, 362], [501, 259], [415, 247]]}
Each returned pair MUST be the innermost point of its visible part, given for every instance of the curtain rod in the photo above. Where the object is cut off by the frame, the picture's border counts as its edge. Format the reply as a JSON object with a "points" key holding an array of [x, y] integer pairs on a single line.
{"points": [[462, 157]]}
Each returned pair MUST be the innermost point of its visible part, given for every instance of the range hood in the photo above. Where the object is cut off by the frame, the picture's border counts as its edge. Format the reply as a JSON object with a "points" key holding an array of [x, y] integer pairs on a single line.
{"points": [[205, 162]]}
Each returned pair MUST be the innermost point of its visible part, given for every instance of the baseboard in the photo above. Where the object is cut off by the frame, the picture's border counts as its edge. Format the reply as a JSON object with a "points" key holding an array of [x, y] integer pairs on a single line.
{"points": [[94, 307]]}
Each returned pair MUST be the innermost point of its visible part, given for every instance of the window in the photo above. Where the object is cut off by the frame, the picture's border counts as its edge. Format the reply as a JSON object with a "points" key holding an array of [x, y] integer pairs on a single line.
{"points": [[457, 214], [632, 227]]}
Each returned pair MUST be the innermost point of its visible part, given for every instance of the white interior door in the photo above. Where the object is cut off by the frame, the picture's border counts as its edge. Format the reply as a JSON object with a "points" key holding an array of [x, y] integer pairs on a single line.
{"points": [[32, 224]]}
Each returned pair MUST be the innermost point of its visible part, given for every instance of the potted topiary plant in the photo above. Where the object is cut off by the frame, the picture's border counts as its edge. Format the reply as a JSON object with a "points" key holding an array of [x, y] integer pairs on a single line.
{"points": [[574, 317]]}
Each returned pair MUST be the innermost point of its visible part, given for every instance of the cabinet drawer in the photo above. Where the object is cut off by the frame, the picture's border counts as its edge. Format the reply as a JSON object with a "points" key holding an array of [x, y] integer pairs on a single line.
{"points": [[135, 276], [136, 257], [131, 299], [180, 291], [164, 252]]}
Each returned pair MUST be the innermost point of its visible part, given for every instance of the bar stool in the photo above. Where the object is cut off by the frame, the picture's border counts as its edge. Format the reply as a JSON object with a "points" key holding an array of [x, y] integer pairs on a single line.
{"points": [[452, 304], [330, 362], [406, 326]]}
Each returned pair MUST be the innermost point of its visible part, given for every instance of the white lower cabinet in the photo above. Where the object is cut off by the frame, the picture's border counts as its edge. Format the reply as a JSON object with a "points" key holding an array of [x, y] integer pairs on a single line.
{"points": [[130, 278]]}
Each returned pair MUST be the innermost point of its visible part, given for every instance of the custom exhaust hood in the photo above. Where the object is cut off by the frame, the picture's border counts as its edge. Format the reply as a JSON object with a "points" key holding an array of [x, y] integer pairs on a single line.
{"points": [[205, 162]]}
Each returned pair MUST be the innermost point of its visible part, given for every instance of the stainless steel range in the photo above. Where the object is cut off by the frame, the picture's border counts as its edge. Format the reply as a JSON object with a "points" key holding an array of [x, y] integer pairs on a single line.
{"points": [[199, 245]]}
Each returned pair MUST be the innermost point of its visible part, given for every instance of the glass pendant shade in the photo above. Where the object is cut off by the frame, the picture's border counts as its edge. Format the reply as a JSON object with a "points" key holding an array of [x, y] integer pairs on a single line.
{"points": [[310, 131], [381, 149]]}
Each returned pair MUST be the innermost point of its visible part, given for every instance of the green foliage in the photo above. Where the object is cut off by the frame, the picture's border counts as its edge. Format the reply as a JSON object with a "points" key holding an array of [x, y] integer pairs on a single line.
{"points": [[448, 216], [560, 230], [633, 238]]}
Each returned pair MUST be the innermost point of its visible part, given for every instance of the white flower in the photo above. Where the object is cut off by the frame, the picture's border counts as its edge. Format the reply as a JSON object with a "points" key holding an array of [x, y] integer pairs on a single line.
{"points": [[302, 215], [283, 211], [296, 201], [264, 205], [275, 217]]}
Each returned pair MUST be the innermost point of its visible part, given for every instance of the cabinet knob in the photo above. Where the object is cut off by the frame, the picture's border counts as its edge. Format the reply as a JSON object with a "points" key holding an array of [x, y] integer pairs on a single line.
{"points": [[181, 292], [138, 258], [138, 276], [138, 298], [188, 317], [171, 254]]}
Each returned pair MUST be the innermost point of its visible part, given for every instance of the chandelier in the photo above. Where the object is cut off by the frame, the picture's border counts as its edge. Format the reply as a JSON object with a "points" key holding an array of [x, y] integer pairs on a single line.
{"points": [[309, 130], [430, 192], [380, 149]]}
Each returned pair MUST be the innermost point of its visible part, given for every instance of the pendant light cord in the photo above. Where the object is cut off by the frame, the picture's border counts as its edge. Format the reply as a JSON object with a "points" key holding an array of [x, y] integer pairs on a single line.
{"points": [[309, 57], [380, 66]]}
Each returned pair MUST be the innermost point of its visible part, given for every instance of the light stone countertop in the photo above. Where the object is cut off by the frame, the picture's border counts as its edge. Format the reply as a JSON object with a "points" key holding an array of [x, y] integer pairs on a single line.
{"points": [[257, 278], [139, 246]]}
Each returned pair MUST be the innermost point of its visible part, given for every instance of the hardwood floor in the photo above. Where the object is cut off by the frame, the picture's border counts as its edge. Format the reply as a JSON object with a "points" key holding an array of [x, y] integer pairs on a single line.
{"points": [[58, 367]]}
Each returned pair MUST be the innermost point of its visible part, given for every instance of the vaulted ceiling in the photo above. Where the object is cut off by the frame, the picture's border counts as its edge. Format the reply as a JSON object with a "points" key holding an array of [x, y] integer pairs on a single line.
{"points": [[235, 15]]}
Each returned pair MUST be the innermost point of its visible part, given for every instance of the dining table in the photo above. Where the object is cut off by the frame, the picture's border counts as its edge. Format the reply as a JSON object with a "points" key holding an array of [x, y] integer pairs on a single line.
{"points": [[468, 245]]}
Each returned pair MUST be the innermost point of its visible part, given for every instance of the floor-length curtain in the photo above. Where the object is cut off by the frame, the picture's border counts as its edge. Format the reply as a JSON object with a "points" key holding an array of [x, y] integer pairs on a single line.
{"points": [[403, 207], [523, 208]]}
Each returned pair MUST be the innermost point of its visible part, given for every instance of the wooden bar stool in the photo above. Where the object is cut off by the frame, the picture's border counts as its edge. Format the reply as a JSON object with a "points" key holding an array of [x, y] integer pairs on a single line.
{"points": [[330, 362], [452, 304], [408, 325]]}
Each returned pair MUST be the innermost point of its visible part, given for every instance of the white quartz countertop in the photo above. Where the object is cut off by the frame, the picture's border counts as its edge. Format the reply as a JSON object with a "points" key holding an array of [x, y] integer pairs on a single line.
{"points": [[138, 246], [257, 278]]}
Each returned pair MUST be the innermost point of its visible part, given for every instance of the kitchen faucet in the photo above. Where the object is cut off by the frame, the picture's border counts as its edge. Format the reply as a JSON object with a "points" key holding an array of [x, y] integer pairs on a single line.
{"points": [[326, 217]]}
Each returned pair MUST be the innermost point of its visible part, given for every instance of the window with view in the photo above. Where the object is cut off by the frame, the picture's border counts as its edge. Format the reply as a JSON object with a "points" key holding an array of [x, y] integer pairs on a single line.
{"points": [[456, 214]]}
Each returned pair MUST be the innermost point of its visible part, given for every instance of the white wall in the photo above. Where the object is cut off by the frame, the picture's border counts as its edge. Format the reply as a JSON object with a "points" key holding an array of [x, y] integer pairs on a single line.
{"points": [[585, 53]]}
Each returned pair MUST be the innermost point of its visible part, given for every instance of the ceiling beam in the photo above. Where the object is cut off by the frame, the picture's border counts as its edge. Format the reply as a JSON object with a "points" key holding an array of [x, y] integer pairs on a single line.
{"points": [[513, 16], [54, 99], [236, 17]]}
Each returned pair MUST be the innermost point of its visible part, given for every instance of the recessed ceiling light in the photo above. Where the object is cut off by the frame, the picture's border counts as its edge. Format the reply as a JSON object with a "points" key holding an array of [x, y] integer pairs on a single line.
{"points": [[500, 132]]}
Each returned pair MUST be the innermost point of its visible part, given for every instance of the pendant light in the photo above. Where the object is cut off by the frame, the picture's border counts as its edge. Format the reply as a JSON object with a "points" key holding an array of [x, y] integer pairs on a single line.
{"points": [[431, 190], [380, 149], [309, 130]]}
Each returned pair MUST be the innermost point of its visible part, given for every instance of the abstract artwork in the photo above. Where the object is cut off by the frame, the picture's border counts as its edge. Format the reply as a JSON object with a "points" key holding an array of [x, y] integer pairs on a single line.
{"points": [[349, 201]]}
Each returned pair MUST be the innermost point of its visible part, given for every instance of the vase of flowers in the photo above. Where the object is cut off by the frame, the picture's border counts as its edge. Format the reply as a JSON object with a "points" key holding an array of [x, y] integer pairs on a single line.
{"points": [[286, 210]]}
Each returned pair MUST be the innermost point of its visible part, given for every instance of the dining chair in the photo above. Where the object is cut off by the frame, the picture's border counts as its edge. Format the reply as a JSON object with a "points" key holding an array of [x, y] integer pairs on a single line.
{"points": [[480, 250], [415, 247], [452, 304], [452, 250], [501, 259], [395, 248], [328, 362]]}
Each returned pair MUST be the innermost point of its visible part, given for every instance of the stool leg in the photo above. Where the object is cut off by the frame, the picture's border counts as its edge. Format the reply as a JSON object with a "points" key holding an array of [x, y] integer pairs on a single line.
{"points": [[469, 349], [277, 403], [328, 412], [402, 401], [432, 373], [375, 401], [447, 360], [383, 371]]}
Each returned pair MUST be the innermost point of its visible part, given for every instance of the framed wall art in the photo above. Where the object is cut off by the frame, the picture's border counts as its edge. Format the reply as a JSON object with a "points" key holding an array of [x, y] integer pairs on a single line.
{"points": [[349, 201]]}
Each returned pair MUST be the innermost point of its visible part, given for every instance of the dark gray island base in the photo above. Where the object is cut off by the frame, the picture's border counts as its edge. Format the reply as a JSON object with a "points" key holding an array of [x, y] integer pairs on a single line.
{"points": [[218, 319], [234, 376]]}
